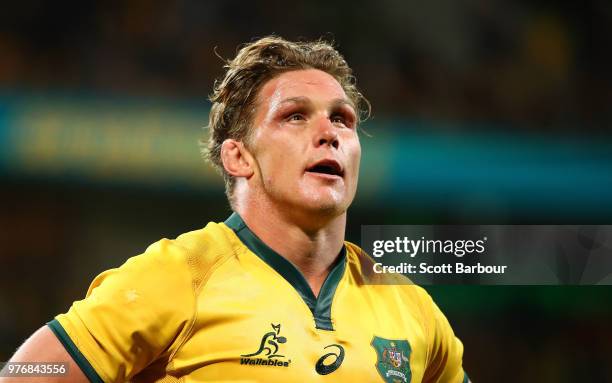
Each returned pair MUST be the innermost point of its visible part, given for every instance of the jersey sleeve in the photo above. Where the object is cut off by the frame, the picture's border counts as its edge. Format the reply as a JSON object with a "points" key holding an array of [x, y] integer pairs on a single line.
{"points": [[131, 316], [445, 361]]}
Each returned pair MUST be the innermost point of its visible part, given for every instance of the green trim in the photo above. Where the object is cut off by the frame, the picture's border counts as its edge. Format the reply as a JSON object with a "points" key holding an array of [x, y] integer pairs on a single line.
{"points": [[74, 352], [466, 379], [321, 306]]}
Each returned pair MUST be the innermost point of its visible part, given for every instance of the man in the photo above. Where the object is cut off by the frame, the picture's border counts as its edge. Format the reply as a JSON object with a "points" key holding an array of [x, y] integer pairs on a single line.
{"points": [[273, 294]]}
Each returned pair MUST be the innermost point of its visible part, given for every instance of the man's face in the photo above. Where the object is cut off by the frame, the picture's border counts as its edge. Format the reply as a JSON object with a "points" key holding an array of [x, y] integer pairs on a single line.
{"points": [[305, 142]]}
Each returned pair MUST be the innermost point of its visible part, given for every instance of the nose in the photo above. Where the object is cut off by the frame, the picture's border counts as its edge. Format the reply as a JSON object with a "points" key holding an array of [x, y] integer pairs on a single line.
{"points": [[326, 134]]}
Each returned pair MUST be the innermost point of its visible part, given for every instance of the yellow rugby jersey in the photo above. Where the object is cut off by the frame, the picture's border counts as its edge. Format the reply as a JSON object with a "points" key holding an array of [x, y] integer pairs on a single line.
{"points": [[218, 305]]}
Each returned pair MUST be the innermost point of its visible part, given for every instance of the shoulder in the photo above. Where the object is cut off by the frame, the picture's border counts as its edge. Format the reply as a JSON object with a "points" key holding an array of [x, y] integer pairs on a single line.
{"points": [[365, 265], [186, 260], [398, 285], [146, 304], [202, 249], [210, 242]]}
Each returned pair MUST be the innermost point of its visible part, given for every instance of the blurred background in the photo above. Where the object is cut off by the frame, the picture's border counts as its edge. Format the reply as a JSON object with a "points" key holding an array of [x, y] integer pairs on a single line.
{"points": [[484, 112]]}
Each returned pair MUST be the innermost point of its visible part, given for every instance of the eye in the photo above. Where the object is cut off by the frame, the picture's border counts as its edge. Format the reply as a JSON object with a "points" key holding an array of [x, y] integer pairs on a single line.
{"points": [[296, 117], [340, 119]]}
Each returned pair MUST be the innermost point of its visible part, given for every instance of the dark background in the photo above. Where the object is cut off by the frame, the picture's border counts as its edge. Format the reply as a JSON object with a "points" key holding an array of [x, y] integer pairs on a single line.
{"points": [[487, 112]]}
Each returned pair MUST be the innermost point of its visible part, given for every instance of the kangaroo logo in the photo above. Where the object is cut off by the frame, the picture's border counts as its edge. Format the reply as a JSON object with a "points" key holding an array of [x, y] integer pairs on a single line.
{"points": [[269, 343]]}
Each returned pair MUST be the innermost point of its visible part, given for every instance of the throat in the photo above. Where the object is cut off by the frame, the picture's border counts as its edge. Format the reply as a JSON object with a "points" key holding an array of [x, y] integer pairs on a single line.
{"points": [[315, 281], [312, 265]]}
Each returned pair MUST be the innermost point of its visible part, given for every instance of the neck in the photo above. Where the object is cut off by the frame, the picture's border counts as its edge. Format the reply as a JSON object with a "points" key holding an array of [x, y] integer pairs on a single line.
{"points": [[311, 247]]}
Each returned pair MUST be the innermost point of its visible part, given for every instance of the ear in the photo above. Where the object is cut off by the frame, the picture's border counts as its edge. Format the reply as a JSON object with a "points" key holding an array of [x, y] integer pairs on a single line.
{"points": [[236, 159]]}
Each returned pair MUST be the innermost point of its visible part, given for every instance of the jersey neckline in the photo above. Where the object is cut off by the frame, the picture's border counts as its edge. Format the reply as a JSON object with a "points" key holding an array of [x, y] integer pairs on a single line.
{"points": [[319, 306]]}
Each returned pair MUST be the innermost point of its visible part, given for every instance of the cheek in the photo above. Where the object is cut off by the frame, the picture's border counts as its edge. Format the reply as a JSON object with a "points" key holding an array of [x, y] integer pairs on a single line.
{"points": [[355, 155], [358, 155], [276, 164]]}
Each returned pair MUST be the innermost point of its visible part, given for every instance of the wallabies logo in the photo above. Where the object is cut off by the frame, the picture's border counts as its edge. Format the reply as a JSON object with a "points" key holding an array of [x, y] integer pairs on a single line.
{"points": [[268, 347]]}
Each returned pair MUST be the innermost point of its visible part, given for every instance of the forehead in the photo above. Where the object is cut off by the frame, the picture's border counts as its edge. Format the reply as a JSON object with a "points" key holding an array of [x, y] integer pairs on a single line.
{"points": [[311, 83]]}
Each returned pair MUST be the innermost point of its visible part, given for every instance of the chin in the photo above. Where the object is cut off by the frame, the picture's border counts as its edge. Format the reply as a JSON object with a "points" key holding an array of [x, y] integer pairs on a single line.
{"points": [[325, 204]]}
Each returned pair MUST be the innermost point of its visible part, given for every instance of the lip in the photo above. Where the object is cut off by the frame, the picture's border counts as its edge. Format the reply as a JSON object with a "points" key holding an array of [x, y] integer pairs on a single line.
{"points": [[328, 162], [326, 177]]}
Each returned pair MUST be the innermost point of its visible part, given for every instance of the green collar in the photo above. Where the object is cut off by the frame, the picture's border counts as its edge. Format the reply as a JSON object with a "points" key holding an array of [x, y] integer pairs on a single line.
{"points": [[321, 306]]}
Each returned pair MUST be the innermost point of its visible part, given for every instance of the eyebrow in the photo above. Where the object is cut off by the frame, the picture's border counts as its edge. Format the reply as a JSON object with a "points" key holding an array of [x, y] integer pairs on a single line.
{"points": [[305, 100]]}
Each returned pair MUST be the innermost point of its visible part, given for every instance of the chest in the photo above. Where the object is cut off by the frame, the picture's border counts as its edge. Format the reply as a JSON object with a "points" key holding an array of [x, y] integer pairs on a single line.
{"points": [[258, 328]]}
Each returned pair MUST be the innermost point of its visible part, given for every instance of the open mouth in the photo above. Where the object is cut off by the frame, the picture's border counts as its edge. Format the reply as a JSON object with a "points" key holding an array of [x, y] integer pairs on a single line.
{"points": [[328, 167]]}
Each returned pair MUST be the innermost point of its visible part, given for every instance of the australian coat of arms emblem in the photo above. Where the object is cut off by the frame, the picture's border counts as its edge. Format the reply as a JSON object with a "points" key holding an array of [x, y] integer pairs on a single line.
{"points": [[393, 358]]}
